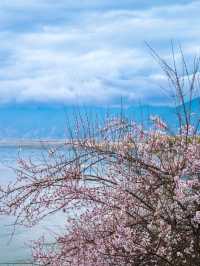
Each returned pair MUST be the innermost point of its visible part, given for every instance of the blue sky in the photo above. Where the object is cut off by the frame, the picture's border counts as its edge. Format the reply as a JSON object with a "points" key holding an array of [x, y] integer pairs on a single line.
{"points": [[90, 51]]}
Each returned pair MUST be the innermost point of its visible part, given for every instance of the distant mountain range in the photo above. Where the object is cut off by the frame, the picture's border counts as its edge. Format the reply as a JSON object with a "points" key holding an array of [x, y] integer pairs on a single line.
{"points": [[52, 121]]}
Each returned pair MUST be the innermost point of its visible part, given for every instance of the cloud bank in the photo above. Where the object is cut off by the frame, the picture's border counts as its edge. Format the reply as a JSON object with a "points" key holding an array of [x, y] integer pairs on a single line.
{"points": [[90, 52]]}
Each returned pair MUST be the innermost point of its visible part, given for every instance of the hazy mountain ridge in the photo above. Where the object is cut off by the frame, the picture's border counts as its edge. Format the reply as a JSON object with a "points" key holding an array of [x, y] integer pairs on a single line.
{"points": [[51, 121]]}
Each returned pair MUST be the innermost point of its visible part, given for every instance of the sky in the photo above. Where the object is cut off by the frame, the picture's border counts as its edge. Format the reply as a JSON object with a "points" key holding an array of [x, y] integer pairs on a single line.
{"points": [[91, 51]]}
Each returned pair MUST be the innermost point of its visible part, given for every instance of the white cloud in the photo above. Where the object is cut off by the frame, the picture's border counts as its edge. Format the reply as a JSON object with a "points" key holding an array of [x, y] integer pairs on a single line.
{"points": [[94, 56]]}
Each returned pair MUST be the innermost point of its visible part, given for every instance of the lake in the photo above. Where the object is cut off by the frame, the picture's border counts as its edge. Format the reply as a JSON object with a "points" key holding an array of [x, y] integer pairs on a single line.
{"points": [[17, 249]]}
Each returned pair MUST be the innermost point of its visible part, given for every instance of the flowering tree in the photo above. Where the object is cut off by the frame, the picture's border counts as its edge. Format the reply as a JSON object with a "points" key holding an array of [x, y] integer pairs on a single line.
{"points": [[131, 196]]}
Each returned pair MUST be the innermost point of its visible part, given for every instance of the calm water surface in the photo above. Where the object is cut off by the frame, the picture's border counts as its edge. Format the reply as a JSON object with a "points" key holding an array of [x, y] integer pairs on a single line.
{"points": [[16, 248]]}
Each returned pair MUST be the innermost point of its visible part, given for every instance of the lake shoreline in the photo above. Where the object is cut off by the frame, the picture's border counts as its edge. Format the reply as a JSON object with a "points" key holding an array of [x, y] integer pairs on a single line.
{"points": [[31, 143]]}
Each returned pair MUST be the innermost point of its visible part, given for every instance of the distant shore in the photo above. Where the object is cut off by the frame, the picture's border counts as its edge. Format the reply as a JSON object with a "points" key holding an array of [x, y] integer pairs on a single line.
{"points": [[20, 143]]}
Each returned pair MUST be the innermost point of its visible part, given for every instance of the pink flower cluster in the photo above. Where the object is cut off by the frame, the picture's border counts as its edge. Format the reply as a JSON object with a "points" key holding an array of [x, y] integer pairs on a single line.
{"points": [[131, 197]]}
